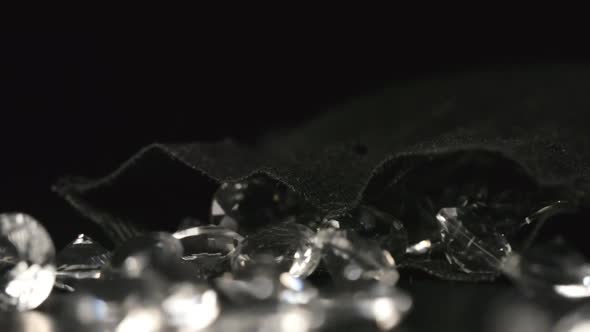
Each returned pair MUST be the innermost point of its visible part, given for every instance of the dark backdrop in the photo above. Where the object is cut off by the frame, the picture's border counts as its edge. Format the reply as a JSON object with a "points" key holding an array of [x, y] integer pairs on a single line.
{"points": [[82, 102]]}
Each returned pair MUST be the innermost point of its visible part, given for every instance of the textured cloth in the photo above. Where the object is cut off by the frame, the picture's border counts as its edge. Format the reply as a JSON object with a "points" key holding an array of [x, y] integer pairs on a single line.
{"points": [[529, 124]]}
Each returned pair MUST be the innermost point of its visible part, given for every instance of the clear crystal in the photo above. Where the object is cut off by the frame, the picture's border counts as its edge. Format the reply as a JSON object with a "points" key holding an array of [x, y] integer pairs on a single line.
{"points": [[378, 307], [472, 243], [551, 268], [248, 205], [158, 245], [351, 259], [190, 307], [27, 254], [262, 281], [374, 224], [209, 248], [82, 258], [289, 244]]}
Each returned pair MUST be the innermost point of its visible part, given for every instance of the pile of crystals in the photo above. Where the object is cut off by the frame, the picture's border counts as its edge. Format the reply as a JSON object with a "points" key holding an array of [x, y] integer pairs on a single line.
{"points": [[246, 269]]}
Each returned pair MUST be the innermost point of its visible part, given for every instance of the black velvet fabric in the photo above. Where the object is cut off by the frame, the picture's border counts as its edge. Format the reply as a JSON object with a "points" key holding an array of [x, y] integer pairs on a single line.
{"points": [[514, 120]]}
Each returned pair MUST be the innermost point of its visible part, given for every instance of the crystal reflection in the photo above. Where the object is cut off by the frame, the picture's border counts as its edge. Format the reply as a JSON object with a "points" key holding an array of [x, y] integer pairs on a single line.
{"points": [[189, 307], [27, 270], [144, 319], [577, 321], [419, 248]]}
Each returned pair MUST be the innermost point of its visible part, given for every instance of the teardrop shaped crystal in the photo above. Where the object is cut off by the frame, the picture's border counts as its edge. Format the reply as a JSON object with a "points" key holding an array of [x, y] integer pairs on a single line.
{"points": [[82, 258], [209, 248], [351, 259], [472, 243], [248, 205], [289, 244], [27, 256], [371, 223]]}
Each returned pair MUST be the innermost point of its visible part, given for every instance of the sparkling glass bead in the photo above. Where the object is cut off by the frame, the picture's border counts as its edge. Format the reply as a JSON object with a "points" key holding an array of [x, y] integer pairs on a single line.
{"points": [[351, 259], [27, 254], [209, 248], [289, 244], [262, 281], [371, 223], [82, 258], [190, 307], [472, 242], [246, 206], [549, 269]]}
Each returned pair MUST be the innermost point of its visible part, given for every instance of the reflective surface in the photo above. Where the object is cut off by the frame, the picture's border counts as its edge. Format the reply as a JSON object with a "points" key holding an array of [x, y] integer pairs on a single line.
{"points": [[289, 244], [82, 258], [27, 270]]}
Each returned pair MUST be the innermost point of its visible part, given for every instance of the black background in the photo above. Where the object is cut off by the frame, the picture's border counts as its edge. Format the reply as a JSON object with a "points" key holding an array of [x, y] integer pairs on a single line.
{"points": [[82, 102]]}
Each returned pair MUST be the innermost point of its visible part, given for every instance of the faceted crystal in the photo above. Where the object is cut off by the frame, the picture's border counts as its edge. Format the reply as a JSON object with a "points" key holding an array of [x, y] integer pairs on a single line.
{"points": [[351, 259], [248, 205], [190, 307], [371, 223], [551, 268], [262, 281], [289, 244], [209, 248], [472, 242], [27, 270], [82, 258]]}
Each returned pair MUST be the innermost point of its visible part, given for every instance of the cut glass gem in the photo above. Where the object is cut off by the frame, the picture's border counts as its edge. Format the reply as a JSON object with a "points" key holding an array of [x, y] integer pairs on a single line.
{"points": [[82, 258], [209, 248], [289, 244], [27, 255], [472, 243], [248, 205]]}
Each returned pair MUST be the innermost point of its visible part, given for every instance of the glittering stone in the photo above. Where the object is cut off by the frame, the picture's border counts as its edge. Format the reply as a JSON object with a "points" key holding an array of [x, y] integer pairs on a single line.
{"points": [[550, 268], [262, 281], [27, 254], [190, 307], [248, 205], [209, 248], [472, 242], [82, 258], [289, 244], [371, 223], [351, 259]]}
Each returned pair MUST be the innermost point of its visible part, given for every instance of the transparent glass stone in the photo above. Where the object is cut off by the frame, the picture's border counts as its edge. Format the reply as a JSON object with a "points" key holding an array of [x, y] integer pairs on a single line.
{"points": [[374, 224], [82, 258], [157, 245], [351, 259], [248, 205], [262, 281], [550, 269], [190, 307], [289, 244], [379, 307], [472, 243], [27, 256], [209, 248]]}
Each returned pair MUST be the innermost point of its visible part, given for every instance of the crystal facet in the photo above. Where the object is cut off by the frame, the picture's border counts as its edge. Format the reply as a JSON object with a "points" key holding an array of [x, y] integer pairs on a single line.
{"points": [[82, 258], [248, 205], [27, 254], [371, 223], [289, 244], [209, 248], [352, 259], [472, 243]]}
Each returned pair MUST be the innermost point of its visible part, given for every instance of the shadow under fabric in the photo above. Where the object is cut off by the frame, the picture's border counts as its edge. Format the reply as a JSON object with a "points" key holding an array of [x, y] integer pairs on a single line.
{"points": [[517, 130]]}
